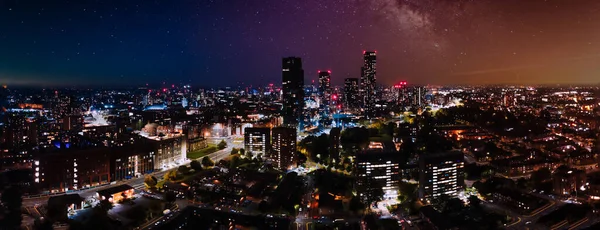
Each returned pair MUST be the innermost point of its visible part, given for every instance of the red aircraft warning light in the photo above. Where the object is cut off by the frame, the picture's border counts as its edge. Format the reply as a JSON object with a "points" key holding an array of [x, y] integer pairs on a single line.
{"points": [[400, 84]]}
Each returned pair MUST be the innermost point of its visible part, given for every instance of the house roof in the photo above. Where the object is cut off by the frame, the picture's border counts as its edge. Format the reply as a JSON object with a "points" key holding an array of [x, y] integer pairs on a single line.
{"points": [[66, 199], [112, 190]]}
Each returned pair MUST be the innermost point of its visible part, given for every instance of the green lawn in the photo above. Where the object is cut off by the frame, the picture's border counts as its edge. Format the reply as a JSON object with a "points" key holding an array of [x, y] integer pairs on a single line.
{"points": [[202, 152]]}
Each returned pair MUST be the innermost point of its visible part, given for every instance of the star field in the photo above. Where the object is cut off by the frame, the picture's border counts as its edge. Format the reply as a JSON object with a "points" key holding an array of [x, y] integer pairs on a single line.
{"points": [[226, 42]]}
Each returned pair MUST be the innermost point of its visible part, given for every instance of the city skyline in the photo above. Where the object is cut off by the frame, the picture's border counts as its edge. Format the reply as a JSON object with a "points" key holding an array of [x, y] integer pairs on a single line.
{"points": [[300, 115], [430, 42]]}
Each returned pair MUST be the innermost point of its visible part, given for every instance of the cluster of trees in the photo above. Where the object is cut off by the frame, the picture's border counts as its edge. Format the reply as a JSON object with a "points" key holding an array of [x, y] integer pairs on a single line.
{"points": [[151, 181], [408, 197], [316, 147], [468, 215], [247, 161], [523, 124], [354, 140], [240, 151], [222, 145], [371, 189], [140, 214], [536, 180], [477, 172]]}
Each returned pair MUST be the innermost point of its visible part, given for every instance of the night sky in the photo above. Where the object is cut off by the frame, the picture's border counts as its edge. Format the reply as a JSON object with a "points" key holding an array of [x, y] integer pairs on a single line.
{"points": [[226, 42]]}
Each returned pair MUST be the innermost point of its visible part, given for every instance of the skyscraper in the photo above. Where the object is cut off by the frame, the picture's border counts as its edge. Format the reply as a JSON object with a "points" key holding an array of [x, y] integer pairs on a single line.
{"points": [[325, 90], [368, 82], [418, 96], [351, 96], [292, 90], [284, 147]]}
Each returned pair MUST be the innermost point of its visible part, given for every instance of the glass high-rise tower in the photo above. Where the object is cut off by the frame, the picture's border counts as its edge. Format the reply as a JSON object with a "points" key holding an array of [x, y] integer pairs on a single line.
{"points": [[351, 96], [368, 81], [325, 90], [292, 90]]}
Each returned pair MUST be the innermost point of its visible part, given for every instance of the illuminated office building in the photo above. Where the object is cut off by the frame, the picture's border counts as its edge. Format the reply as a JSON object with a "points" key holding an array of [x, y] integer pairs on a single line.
{"points": [[440, 173], [383, 168], [257, 140], [284, 147]]}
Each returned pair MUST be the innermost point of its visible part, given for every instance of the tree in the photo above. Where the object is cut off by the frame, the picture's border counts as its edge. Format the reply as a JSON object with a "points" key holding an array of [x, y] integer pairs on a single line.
{"points": [[150, 181], [155, 208], [183, 170], [372, 189], [99, 218], [56, 212], [195, 165], [207, 162], [541, 175], [355, 205], [170, 197], [170, 175], [11, 202], [408, 192], [263, 206], [222, 144], [235, 162], [522, 183], [349, 168], [453, 206], [138, 214], [474, 202], [234, 151], [354, 140], [105, 205], [249, 155]]}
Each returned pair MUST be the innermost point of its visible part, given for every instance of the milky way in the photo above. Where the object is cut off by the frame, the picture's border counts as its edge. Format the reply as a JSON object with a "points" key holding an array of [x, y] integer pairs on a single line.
{"points": [[218, 42]]}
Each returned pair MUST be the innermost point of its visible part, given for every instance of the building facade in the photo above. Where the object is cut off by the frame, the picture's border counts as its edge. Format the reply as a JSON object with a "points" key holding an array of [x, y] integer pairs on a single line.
{"points": [[351, 93], [128, 163], [381, 167], [257, 140], [368, 82], [284, 147], [292, 90], [568, 180], [71, 169], [168, 151], [440, 173], [325, 91]]}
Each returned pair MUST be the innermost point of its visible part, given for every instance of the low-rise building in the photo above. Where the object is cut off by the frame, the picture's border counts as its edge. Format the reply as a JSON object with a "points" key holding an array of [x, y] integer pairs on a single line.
{"points": [[131, 161], [72, 168], [116, 193], [522, 203], [568, 180]]}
